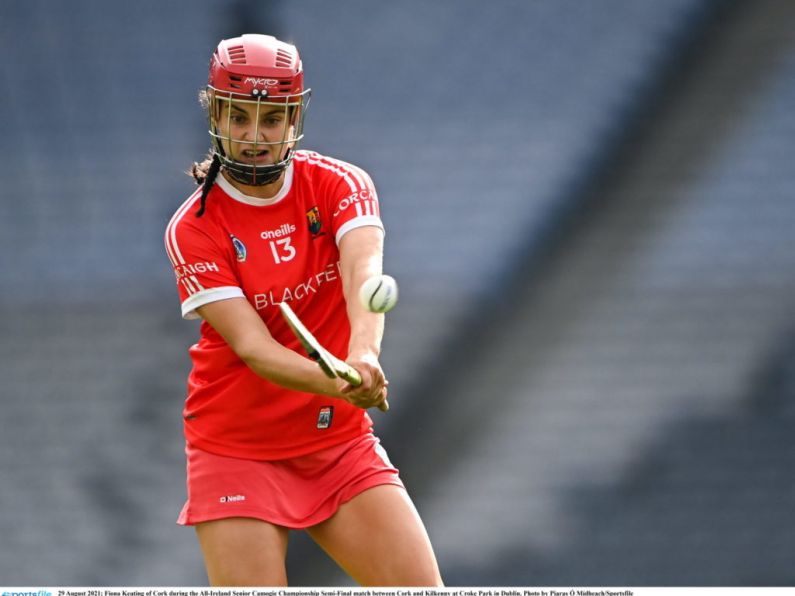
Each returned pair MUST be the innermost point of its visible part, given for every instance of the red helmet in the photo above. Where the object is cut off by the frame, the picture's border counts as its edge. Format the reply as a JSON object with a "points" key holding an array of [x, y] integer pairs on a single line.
{"points": [[259, 72]]}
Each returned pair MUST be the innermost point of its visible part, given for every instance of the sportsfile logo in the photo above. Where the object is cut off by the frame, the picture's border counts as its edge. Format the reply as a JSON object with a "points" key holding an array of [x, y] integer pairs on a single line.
{"points": [[28, 593]]}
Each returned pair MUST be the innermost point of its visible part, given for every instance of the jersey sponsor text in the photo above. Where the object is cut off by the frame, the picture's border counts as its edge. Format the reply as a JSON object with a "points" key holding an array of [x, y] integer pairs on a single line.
{"points": [[363, 201], [189, 269], [300, 291]]}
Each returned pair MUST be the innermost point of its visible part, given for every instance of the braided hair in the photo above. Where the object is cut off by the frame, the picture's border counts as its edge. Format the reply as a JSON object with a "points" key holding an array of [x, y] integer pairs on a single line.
{"points": [[205, 174]]}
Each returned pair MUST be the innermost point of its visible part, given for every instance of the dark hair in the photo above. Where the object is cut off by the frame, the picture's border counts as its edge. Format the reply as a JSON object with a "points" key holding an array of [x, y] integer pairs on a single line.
{"points": [[205, 174]]}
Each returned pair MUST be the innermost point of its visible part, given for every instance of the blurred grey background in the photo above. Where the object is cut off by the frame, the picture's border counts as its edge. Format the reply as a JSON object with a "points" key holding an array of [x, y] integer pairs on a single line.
{"points": [[590, 211]]}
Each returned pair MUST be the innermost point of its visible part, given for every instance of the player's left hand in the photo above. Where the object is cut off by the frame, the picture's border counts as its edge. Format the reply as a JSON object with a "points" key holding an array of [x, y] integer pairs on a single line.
{"points": [[373, 390]]}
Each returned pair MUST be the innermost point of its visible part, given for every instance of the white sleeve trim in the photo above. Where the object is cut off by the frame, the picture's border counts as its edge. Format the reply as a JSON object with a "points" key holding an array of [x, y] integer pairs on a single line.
{"points": [[203, 297], [358, 222]]}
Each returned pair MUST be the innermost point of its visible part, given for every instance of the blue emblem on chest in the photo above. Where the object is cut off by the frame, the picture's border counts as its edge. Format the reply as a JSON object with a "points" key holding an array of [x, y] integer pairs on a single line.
{"points": [[240, 248]]}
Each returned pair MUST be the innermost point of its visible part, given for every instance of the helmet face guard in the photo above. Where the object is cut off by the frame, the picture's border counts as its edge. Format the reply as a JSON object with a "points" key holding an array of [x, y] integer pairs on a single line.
{"points": [[255, 101], [225, 108]]}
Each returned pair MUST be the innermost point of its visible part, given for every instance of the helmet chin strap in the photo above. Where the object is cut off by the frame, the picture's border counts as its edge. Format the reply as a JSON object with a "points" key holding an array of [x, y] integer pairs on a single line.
{"points": [[255, 175]]}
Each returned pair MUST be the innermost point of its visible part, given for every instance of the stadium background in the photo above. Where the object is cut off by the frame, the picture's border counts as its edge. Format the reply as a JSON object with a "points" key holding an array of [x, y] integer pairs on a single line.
{"points": [[590, 211]]}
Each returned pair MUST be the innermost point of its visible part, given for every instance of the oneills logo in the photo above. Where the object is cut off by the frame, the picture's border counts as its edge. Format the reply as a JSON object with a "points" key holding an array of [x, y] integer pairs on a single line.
{"points": [[283, 230]]}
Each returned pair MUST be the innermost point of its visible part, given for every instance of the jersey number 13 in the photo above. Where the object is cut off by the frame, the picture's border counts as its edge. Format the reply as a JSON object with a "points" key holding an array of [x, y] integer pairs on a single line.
{"points": [[282, 250]]}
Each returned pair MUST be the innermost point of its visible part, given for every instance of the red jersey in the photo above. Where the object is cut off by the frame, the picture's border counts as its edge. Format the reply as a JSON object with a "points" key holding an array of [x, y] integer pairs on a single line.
{"points": [[268, 251]]}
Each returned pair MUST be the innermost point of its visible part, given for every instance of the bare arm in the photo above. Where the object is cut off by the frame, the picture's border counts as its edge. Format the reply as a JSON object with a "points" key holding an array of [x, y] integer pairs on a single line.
{"points": [[240, 325], [361, 257]]}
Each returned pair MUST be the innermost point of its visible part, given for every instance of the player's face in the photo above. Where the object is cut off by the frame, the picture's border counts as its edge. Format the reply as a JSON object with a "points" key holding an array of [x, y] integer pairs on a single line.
{"points": [[254, 133]]}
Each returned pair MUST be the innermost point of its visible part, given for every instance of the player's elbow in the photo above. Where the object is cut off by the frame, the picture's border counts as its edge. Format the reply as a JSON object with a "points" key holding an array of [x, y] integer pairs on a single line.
{"points": [[261, 356], [250, 350]]}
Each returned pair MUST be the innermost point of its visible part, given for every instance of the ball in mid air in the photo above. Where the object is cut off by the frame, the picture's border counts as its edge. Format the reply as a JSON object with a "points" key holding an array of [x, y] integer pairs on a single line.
{"points": [[379, 293]]}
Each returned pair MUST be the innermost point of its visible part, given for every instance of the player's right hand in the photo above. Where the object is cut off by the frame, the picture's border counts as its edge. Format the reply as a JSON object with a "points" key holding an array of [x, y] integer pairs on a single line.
{"points": [[365, 398], [372, 390]]}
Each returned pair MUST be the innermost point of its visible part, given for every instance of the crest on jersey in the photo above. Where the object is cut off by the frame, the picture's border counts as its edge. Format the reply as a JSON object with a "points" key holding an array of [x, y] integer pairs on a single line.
{"points": [[313, 219], [324, 416], [240, 248]]}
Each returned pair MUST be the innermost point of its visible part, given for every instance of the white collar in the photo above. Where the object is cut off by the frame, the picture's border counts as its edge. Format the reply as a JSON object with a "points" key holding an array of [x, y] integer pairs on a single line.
{"points": [[233, 192]]}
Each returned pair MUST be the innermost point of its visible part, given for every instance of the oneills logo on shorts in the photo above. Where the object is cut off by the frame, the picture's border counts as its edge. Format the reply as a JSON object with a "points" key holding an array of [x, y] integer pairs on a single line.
{"points": [[240, 248], [232, 498], [324, 416]]}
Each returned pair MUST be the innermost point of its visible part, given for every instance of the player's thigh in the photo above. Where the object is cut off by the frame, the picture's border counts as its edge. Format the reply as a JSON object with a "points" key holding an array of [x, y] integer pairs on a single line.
{"points": [[242, 551], [378, 538]]}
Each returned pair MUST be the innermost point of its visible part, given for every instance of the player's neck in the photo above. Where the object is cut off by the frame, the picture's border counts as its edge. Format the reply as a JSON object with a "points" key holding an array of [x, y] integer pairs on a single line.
{"points": [[265, 191]]}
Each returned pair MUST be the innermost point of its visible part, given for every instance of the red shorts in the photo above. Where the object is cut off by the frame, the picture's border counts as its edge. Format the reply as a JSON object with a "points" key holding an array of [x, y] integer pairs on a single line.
{"points": [[295, 493]]}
